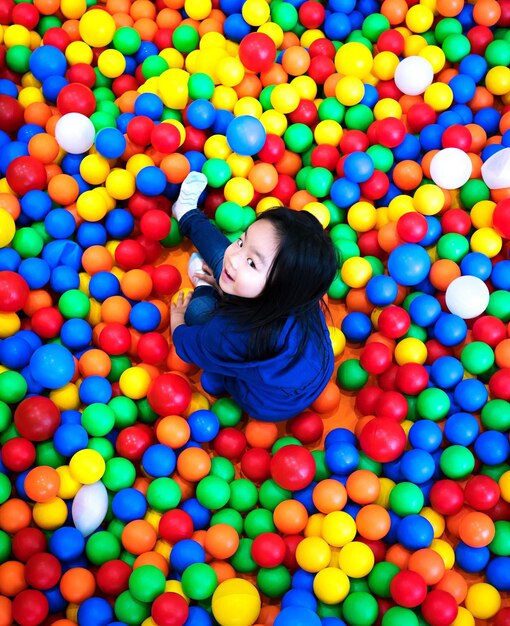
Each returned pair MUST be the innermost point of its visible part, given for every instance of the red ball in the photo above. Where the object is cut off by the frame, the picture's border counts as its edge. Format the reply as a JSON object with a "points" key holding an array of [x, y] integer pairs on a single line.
{"points": [[82, 73], [502, 617], [412, 227], [489, 329], [446, 497], [375, 357], [388, 379], [273, 149], [320, 68], [285, 188], [43, 571], [383, 439], [408, 589], [439, 608], [124, 83], [500, 511], [11, 112], [166, 280], [37, 418], [366, 399], [195, 139], [169, 609], [129, 254], [230, 443], [27, 542], [115, 339], [325, 156], [26, 15], [6, 9], [76, 98], [376, 186], [155, 224], [501, 218], [26, 173], [368, 244], [112, 577], [56, 37], [293, 467], [306, 113], [457, 136], [391, 41], [499, 384], [481, 492], [169, 394], [479, 37], [308, 427], [133, 441], [311, 14], [455, 221], [165, 138], [394, 322], [14, 291], [388, 89], [47, 322], [256, 465], [163, 37], [353, 141], [322, 47], [419, 116], [257, 52], [18, 454], [152, 348], [291, 544], [435, 350], [139, 130], [377, 546], [412, 378], [390, 132], [392, 404], [268, 550], [175, 525], [30, 607], [152, 249]]}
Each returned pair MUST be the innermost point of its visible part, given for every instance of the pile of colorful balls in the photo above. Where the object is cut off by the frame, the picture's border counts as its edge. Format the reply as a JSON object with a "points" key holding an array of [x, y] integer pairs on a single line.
{"points": [[128, 496]]}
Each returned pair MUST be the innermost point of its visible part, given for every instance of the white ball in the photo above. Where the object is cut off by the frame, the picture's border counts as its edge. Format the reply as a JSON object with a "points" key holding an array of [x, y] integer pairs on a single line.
{"points": [[450, 168], [496, 170], [90, 506], [75, 133], [467, 297], [413, 75]]}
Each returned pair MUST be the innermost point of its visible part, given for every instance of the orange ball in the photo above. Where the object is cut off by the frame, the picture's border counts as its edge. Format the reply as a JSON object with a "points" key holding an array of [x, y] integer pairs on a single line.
{"points": [[443, 272], [329, 495], [173, 431], [502, 353], [94, 363], [363, 486], [11, 204], [138, 536], [146, 28], [37, 299], [275, 75], [136, 284], [328, 400], [42, 483], [221, 541], [43, 147], [142, 8], [250, 86], [63, 189], [176, 167], [12, 578], [290, 517], [398, 555], [407, 175], [5, 611], [486, 12], [115, 309], [37, 113], [223, 569], [295, 60], [388, 237], [96, 259], [449, 8], [453, 583], [193, 464], [476, 529], [261, 434], [429, 564], [263, 177], [453, 521], [290, 164], [395, 11], [15, 514], [373, 522], [77, 584], [152, 558]]}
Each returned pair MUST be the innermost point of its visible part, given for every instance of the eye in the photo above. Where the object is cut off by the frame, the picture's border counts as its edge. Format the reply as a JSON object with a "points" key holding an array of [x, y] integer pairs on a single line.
{"points": [[251, 263], [239, 242]]}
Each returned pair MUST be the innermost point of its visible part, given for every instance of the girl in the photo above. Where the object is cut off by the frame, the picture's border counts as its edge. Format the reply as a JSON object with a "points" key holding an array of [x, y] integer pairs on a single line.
{"points": [[254, 324]]}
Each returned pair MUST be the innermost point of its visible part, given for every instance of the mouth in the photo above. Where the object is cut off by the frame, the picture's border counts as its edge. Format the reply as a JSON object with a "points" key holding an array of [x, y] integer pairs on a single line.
{"points": [[226, 276]]}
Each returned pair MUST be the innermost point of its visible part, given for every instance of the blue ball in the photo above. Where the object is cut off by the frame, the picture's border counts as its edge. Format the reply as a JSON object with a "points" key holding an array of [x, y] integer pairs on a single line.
{"points": [[370, 97], [338, 435], [196, 160], [35, 271], [95, 612], [145, 317], [236, 27], [415, 532], [297, 616], [56, 601], [477, 264], [10, 152], [66, 543], [186, 552], [159, 460], [67, 253], [450, 330], [410, 148], [146, 49], [342, 458], [71, 163], [470, 559], [424, 310], [150, 105], [447, 372], [408, 264], [430, 137], [492, 447], [47, 61], [500, 275], [123, 120], [52, 366], [299, 597], [91, 234], [204, 425], [356, 326], [301, 579], [201, 114], [498, 573], [337, 26], [464, 112], [95, 389], [433, 231], [417, 466], [35, 204], [15, 352], [52, 86], [197, 616], [8, 88], [474, 66], [110, 142], [425, 435], [103, 285], [199, 513], [358, 167], [246, 135], [64, 278], [461, 429], [344, 192], [488, 118], [129, 504], [119, 223], [222, 119], [9, 259], [70, 438], [471, 395], [305, 497], [70, 416], [151, 181], [60, 224], [27, 131]]}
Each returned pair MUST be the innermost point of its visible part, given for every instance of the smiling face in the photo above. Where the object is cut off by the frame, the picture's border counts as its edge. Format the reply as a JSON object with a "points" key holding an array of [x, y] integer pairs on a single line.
{"points": [[248, 260]]}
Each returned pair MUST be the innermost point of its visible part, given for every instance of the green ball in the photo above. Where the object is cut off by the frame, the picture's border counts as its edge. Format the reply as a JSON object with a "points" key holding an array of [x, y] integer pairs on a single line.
{"points": [[128, 558], [171, 114], [302, 175], [274, 581], [343, 232], [98, 419], [27, 242], [446, 27], [380, 578], [127, 40], [498, 53], [406, 499], [124, 411], [108, 108], [45, 454], [433, 404], [174, 237], [242, 561], [477, 357], [74, 304], [376, 265], [163, 494], [229, 216], [319, 181], [285, 15], [213, 492], [359, 117], [382, 157], [331, 109], [495, 471], [456, 47], [243, 495], [103, 94], [218, 172], [101, 547], [222, 468], [322, 470], [257, 522], [472, 192], [101, 120], [103, 446], [230, 517], [116, 528], [495, 415], [199, 581], [46, 22], [17, 59], [366, 463], [9, 433], [280, 443], [200, 86], [120, 364], [185, 38], [351, 376], [298, 137], [452, 246], [336, 214], [271, 494], [145, 412], [5, 488], [13, 387], [360, 609], [338, 289], [5, 416], [329, 610], [130, 610], [120, 473], [5, 546], [499, 305], [265, 97], [154, 65], [101, 79], [146, 583], [500, 545], [457, 462], [374, 25], [398, 616], [417, 332]]}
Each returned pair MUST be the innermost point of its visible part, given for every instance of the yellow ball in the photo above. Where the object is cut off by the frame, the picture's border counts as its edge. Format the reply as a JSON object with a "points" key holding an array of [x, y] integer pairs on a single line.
{"points": [[175, 586], [111, 63], [504, 485], [331, 585], [274, 122], [320, 211], [284, 98], [7, 228], [419, 18], [29, 80], [414, 44], [224, 97], [87, 466], [248, 106], [239, 190], [66, 398], [362, 216], [120, 184], [439, 96], [429, 199], [173, 57], [410, 350], [313, 526], [69, 487], [313, 554], [91, 206], [497, 80], [385, 64], [216, 147], [328, 132], [173, 88], [309, 36], [50, 514], [464, 618], [337, 340], [97, 28], [445, 551], [198, 9], [230, 72], [354, 59], [10, 323], [436, 519], [256, 12], [94, 169], [356, 272], [350, 90], [239, 164], [212, 41], [273, 31], [137, 162], [73, 9], [487, 241], [236, 602], [267, 203], [387, 107], [78, 52], [29, 95], [385, 487], [481, 213], [16, 35], [398, 206], [305, 86], [134, 382], [338, 529], [356, 559], [483, 600], [435, 56], [198, 403]]}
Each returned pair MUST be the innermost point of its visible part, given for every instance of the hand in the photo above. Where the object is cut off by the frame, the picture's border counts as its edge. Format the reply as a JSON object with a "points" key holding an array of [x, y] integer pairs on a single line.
{"points": [[179, 308], [206, 276]]}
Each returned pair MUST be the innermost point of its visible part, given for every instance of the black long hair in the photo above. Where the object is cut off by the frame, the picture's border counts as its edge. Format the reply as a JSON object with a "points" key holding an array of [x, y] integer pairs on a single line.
{"points": [[302, 271]]}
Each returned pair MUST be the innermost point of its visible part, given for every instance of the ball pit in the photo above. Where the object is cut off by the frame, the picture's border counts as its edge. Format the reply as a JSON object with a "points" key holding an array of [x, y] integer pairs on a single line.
{"points": [[129, 493]]}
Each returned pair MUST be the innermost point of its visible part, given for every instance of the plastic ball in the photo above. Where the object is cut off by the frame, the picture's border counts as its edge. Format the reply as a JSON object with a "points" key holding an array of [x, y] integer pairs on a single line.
{"points": [[236, 602], [383, 439], [450, 168], [246, 135], [413, 75], [409, 264], [293, 467], [75, 133], [169, 394]]}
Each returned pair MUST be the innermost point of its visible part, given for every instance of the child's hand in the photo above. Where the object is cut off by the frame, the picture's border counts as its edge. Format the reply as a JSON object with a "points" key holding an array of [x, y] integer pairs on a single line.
{"points": [[179, 307], [206, 276]]}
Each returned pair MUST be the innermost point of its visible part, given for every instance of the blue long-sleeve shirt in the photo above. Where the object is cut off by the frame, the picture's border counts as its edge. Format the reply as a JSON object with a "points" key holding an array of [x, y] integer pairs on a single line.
{"points": [[272, 389]]}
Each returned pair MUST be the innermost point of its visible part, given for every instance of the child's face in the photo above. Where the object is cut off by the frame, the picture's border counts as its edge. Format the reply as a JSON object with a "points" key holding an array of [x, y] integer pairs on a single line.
{"points": [[247, 261]]}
